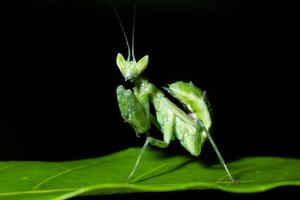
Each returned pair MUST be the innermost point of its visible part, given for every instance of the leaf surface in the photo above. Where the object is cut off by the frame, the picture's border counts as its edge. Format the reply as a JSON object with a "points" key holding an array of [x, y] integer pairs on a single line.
{"points": [[158, 172]]}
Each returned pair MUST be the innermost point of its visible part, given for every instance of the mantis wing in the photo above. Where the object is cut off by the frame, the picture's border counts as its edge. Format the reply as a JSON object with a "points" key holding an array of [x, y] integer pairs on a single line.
{"points": [[193, 98]]}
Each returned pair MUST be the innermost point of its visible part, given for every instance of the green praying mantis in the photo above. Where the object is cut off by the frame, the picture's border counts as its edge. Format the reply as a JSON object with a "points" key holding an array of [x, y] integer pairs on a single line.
{"points": [[191, 129]]}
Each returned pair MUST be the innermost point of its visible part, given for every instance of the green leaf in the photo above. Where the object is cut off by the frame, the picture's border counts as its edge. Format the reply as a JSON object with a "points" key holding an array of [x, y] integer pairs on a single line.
{"points": [[158, 172]]}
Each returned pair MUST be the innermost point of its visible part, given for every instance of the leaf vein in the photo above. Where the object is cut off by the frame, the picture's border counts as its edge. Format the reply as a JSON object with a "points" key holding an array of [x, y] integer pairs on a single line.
{"points": [[59, 174]]}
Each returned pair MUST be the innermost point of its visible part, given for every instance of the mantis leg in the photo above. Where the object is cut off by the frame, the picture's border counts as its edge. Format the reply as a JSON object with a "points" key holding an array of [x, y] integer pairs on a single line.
{"points": [[167, 131], [149, 140], [213, 144]]}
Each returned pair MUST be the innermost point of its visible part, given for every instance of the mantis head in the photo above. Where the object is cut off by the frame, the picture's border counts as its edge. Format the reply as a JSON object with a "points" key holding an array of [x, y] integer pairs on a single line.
{"points": [[131, 69]]}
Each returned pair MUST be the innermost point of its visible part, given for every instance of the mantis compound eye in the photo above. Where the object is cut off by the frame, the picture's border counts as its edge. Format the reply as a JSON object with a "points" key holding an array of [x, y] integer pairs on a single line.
{"points": [[131, 69], [141, 65], [121, 63]]}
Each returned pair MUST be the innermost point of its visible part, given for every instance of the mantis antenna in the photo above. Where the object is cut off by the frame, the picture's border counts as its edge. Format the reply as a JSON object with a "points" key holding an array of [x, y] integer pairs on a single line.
{"points": [[123, 31], [133, 30]]}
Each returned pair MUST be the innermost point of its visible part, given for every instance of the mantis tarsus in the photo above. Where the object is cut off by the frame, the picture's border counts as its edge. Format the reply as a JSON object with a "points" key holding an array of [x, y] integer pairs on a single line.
{"points": [[190, 129]]}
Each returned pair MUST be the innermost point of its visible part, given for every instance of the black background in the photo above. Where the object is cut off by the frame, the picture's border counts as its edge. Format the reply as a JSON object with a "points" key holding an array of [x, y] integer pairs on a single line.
{"points": [[58, 76]]}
